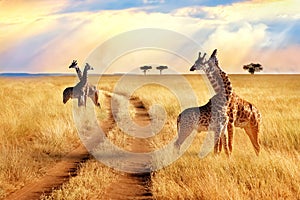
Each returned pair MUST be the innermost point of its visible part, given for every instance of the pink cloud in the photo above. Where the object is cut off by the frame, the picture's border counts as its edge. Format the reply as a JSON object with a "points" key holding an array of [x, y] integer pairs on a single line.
{"points": [[45, 40]]}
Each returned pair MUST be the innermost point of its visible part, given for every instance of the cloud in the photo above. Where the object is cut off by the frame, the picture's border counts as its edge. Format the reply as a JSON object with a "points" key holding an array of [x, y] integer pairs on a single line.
{"points": [[19, 11], [96, 29], [251, 30], [283, 60], [153, 1], [251, 11], [49, 37], [235, 45]]}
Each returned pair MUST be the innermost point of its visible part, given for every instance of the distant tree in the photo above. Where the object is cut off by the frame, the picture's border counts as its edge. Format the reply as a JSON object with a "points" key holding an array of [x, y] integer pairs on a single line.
{"points": [[160, 68], [251, 68], [145, 68]]}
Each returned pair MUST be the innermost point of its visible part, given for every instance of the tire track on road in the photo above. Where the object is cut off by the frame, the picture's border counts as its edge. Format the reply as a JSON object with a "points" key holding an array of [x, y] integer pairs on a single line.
{"points": [[134, 185]]}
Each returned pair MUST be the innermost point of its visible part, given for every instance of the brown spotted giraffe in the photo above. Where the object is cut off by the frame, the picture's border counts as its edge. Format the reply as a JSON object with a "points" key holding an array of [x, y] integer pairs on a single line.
{"points": [[80, 90], [93, 92], [241, 114], [212, 116], [245, 115]]}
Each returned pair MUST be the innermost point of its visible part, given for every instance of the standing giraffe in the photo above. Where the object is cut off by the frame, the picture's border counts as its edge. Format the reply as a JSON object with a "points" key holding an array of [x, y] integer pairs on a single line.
{"points": [[212, 116], [222, 87], [244, 115], [241, 114], [81, 89], [93, 92]]}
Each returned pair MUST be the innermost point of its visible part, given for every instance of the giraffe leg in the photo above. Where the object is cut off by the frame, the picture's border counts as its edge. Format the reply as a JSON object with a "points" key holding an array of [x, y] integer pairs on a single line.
{"points": [[85, 95], [80, 100], [220, 135], [94, 95], [217, 130], [220, 145], [183, 133], [230, 136], [224, 140], [252, 131], [184, 129]]}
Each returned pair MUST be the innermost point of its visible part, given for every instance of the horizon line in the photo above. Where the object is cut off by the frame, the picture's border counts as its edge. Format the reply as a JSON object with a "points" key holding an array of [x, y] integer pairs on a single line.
{"points": [[20, 74]]}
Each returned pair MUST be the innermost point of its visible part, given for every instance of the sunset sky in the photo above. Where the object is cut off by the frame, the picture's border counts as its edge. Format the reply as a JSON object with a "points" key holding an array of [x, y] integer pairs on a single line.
{"points": [[45, 36]]}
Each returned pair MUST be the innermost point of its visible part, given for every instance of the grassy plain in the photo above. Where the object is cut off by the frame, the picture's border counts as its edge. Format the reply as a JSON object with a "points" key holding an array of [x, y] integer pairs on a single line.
{"points": [[37, 129]]}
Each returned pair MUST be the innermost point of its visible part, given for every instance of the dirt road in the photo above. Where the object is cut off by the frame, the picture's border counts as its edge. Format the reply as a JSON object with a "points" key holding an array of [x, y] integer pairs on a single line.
{"points": [[136, 185], [127, 186]]}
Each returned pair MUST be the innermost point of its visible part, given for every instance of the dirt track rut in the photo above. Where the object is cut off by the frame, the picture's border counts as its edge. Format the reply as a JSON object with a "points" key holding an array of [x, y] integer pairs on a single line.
{"points": [[134, 185], [127, 185]]}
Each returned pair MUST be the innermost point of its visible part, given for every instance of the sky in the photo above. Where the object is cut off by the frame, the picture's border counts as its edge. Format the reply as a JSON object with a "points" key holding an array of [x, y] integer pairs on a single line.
{"points": [[122, 35]]}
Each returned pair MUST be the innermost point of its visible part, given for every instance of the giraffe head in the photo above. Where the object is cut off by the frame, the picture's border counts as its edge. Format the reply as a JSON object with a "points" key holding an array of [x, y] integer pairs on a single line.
{"points": [[74, 64], [67, 94], [88, 67], [201, 62]]}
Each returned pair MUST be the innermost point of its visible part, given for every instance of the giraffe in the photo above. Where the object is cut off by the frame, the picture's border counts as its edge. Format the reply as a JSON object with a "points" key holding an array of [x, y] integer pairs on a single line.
{"points": [[241, 114], [213, 115], [244, 115], [221, 85], [81, 89], [93, 92]]}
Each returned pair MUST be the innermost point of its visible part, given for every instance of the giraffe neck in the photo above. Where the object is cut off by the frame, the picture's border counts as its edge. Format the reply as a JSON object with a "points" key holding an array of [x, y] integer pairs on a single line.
{"points": [[219, 79], [79, 73], [83, 79]]}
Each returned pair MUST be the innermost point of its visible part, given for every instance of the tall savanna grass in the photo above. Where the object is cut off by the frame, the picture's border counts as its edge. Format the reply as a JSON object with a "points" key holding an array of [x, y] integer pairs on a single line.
{"points": [[273, 174], [37, 129]]}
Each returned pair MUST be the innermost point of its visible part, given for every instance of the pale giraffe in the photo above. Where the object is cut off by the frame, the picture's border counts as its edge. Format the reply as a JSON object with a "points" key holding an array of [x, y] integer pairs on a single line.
{"points": [[80, 90], [93, 92], [241, 114], [212, 116]]}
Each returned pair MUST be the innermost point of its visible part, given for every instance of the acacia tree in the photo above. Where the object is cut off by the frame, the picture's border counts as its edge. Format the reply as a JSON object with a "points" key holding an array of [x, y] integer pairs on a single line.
{"points": [[145, 68], [160, 68], [251, 68]]}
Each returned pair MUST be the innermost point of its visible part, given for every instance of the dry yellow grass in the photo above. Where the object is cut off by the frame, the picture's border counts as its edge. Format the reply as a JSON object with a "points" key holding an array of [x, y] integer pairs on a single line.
{"points": [[274, 174], [90, 183], [37, 130]]}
